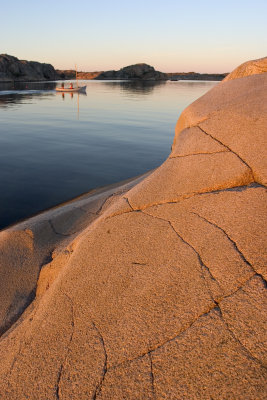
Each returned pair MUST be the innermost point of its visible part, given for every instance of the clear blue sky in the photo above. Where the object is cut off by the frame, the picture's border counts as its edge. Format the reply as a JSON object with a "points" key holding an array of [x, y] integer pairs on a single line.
{"points": [[171, 35]]}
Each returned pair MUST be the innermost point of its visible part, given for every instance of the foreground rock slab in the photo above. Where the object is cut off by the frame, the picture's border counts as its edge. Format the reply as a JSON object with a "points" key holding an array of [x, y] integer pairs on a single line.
{"points": [[154, 289]]}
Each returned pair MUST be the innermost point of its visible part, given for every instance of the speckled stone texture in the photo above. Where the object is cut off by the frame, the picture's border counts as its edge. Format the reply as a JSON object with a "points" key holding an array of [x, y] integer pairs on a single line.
{"points": [[154, 289], [249, 68]]}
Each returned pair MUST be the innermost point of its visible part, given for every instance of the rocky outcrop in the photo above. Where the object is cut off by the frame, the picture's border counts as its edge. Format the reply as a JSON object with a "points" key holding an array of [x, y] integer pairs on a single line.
{"points": [[155, 289], [195, 76], [249, 68], [137, 71], [13, 69], [71, 74]]}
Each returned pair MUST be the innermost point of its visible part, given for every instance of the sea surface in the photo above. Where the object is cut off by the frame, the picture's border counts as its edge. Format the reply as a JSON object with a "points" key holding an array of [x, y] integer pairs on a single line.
{"points": [[54, 147]]}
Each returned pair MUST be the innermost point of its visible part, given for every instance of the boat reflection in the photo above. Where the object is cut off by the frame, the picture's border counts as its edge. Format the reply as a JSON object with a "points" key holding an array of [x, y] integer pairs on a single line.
{"points": [[71, 94], [18, 93]]}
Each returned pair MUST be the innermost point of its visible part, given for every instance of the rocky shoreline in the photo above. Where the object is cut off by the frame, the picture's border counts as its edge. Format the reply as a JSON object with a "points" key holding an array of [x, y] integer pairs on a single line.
{"points": [[132, 75], [68, 74], [14, 70], [143, 72], [195, 76], [155, 288]]}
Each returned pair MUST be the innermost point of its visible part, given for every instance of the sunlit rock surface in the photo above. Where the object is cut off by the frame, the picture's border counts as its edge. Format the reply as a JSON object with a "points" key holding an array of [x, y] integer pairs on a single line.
{"points": [[155, 289], [249, 68]]}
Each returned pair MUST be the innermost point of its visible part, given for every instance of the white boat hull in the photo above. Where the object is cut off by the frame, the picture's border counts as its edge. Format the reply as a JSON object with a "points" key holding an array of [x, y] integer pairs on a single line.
{"points": [[77, 89]]}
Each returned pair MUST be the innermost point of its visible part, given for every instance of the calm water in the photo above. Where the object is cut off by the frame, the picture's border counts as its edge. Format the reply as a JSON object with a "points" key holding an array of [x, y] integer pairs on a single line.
{"points": [[53, 148]]}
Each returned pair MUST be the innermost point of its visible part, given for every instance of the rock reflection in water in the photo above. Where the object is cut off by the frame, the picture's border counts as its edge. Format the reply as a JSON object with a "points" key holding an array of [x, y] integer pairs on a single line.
{"points": [[18, 92], [136, 86]]}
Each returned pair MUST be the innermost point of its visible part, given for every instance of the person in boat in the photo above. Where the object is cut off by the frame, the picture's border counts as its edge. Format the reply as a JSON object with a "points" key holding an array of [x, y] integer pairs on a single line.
{"points": [[71, 86]]}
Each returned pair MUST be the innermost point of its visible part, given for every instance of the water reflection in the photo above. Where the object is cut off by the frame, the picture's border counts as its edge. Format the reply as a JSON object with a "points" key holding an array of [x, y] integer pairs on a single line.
{"points": [[12, 93], [6, 86], [137, 87], [9, 99], [53, 148], [64, 95]]}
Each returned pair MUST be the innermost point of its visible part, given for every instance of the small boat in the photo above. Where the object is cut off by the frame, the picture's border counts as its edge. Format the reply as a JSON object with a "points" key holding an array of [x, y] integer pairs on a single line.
{"points": [[74, 89]]}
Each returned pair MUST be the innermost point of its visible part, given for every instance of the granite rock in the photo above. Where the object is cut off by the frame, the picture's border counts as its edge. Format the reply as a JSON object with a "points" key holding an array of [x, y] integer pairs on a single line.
{"points": [[248, 68], [155, 289]]}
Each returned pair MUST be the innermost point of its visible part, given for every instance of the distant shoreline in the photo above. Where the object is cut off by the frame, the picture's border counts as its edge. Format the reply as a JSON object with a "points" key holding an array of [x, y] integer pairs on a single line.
{"points": [[14, 70], [172, 76]]}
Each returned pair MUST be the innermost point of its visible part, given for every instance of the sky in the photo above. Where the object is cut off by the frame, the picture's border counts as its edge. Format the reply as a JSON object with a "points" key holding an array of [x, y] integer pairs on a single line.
{"points": [[171, 35]]}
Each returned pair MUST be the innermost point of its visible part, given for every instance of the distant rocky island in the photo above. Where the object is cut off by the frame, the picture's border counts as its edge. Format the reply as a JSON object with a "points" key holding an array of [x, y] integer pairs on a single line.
{"points": [[13, 69], [142, 71], [71, 74]]}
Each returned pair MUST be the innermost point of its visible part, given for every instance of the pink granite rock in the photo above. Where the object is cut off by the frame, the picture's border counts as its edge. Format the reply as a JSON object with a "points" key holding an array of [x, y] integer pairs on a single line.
{"points": [[155, 289]]}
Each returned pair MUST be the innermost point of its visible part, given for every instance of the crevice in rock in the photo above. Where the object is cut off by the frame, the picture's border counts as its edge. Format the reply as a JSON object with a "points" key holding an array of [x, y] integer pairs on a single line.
{"points": [[105, 368], [223, 144], [103, 204], [152, 375], [61, 368], [55, 231], [22, 342], [233, 243], [216, 306], [197, 254], [244, 348], [263, 280], [235, 189], [15, 359], [187, 196], [129, 204], [200, 154], [255, 273], [137, 263], [84, 211], [159, 346], [236, 290], [118, 214], [202, 265]]}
